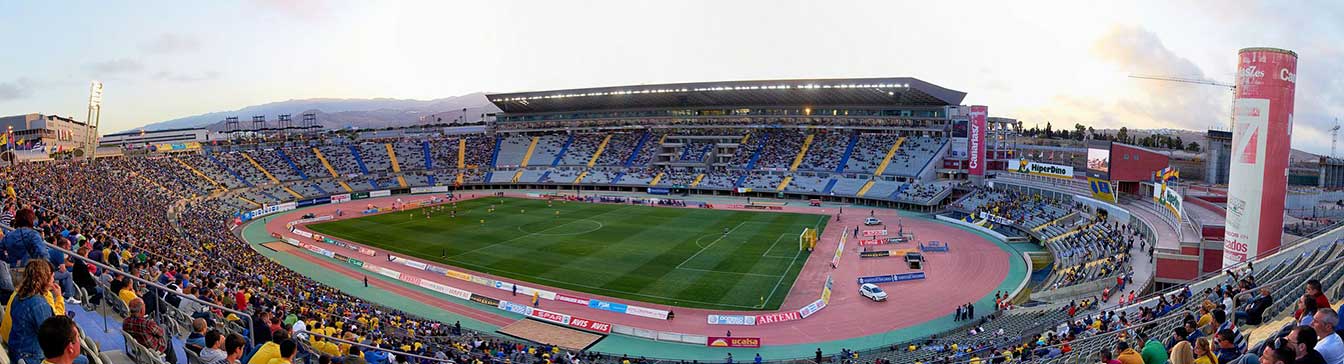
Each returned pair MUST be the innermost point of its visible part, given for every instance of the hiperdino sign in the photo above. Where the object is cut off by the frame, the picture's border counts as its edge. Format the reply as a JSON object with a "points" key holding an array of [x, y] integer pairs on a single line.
{"points": [[1042, 169]]}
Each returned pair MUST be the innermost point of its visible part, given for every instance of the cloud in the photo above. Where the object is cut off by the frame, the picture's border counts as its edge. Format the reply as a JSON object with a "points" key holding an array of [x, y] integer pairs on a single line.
{"points": [[115, 67], [294, 9], [169, 43], [16, 89], [1142, 103], [186, 77]]}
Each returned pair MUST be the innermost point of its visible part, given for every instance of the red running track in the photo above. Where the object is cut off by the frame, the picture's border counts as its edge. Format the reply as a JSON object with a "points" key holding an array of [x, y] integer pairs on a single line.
{"points": [[972, 270]]}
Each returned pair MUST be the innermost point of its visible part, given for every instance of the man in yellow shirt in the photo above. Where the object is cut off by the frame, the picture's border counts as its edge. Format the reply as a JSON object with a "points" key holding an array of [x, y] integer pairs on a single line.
{"points": [[271, 349], [287, 350]]}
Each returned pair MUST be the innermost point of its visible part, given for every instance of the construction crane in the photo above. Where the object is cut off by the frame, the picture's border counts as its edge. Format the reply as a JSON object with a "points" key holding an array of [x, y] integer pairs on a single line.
{"points": [[1334, 138], [1197, 81]]}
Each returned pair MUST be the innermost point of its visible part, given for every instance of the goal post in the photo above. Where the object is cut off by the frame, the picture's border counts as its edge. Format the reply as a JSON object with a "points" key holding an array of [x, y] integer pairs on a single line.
{"points": [[807, 240]]}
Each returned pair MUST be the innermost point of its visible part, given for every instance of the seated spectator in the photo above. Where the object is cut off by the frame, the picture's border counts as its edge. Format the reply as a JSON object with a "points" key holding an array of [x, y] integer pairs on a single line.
{"points": [[1253, 313], [234, 345], [1227, 346], [1153, 350], [59, 338], [1303, 341], [1204, 352], [1182, 353], [214, 347], [1328, 343], [288, 349], [1306, 310], [31, 304], [144, 330], [353, 356], [1274, 354], [24, 242], [1127, 354], [196, 340], [269, 350]]}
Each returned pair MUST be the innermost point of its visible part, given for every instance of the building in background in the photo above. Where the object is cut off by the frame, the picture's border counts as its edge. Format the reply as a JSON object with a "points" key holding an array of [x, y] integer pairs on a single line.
{"points": [[1218, 157], [145, 138], [51, 132]]}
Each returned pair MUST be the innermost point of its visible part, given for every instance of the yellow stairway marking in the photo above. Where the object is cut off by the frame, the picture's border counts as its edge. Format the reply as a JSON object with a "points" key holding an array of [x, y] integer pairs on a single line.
{"points": [[461, 156], [801, 153], [697, 180], [600, 148], [580, 177], [745, 138], [1055, 221], [260, 168], [392, 156], [459, 178], [865, 188], [402, 181], [890, 153], [517, 176], [199, 173], [327, 164], [528, 157], [657, 178], [345, 186], [785, 183], [662, 139], [254, 203]]}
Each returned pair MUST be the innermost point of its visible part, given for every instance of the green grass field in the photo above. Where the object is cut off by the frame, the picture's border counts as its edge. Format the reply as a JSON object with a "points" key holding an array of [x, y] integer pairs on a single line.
{"points": [[672, 256]]}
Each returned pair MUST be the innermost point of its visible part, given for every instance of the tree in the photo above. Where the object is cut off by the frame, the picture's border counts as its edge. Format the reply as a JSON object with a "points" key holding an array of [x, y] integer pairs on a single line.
{"points": [[1079, 129], [1123, 135], [1048, 133], [1177, 144], [1192, 147]]}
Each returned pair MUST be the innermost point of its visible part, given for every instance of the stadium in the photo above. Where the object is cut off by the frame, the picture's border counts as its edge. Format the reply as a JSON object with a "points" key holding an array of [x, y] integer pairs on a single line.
{"points": [[873, 220]]}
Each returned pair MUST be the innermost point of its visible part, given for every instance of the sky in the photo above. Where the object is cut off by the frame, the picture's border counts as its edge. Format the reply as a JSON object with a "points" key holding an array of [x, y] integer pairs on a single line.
{"points": [[1062, 62]]}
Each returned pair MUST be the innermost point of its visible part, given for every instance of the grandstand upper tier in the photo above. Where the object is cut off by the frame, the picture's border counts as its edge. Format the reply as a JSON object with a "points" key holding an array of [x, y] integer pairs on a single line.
{"points": [[895, 96]]}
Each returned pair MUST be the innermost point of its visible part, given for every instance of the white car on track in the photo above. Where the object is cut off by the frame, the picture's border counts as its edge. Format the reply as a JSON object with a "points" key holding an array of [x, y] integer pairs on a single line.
{"points": [[873, 292], [872, 221]]}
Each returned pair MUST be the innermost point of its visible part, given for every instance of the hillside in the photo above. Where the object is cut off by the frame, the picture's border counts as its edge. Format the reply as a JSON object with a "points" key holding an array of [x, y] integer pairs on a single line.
{"points": [[343, 113]]}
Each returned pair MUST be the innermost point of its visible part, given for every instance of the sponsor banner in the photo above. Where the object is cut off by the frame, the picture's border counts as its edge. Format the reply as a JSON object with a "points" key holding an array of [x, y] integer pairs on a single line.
{"points": [[432, 189], [812, 308], [356, 262], [340, 257], [873, 233], [359, 195], [608, 306], [867, 242], [646, 312], [555, 317], [342, 198], [826, 291], [590, 325], [524, 290], [292, 241], [743, 320], [458, 275], [367, 251], [413, 280], [1168, 198], [305, 221], [437, 269], [302, 233], [524, 310], [658, 191], [482, 281], [571, 299], [875, 254], [1262, 116], [975, 150], [267, 210], [438, 287], [892, 278], [1040, 169], [1101, 189], [380, 193], [934, 246], [835, 261], [996, 218], [408, 262], [733, 342], [484, 300], [778, 317]]}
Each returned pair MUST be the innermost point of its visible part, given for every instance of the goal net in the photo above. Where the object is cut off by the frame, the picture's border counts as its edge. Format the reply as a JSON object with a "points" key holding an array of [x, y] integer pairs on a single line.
{"points": [[807, 240]]}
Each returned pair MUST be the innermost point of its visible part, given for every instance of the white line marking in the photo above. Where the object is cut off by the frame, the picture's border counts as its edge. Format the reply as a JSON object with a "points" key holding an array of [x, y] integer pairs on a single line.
{"points": [[781, 280], [725, 272], [454, 256], [702, 250], [772, 246]]}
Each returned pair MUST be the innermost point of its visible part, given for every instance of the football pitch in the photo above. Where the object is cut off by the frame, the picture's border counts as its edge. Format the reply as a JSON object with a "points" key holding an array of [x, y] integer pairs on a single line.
{"points": [[673, 256]]}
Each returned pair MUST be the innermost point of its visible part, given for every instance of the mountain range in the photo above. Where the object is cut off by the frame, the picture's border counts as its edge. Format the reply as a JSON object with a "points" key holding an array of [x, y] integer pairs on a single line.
{"points": [[346, 113]]}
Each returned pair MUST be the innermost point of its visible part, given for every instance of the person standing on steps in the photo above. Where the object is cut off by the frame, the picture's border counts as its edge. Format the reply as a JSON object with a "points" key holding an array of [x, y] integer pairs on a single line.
{"points": [[366, 281]]}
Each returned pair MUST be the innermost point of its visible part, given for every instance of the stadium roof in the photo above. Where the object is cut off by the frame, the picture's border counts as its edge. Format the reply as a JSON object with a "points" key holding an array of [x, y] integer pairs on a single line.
{"points": [[896, 91]]}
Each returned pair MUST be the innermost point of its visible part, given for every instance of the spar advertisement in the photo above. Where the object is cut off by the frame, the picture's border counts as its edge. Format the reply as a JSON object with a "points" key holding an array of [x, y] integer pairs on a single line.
{"points": [[976, 149], [1262, 125]]}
